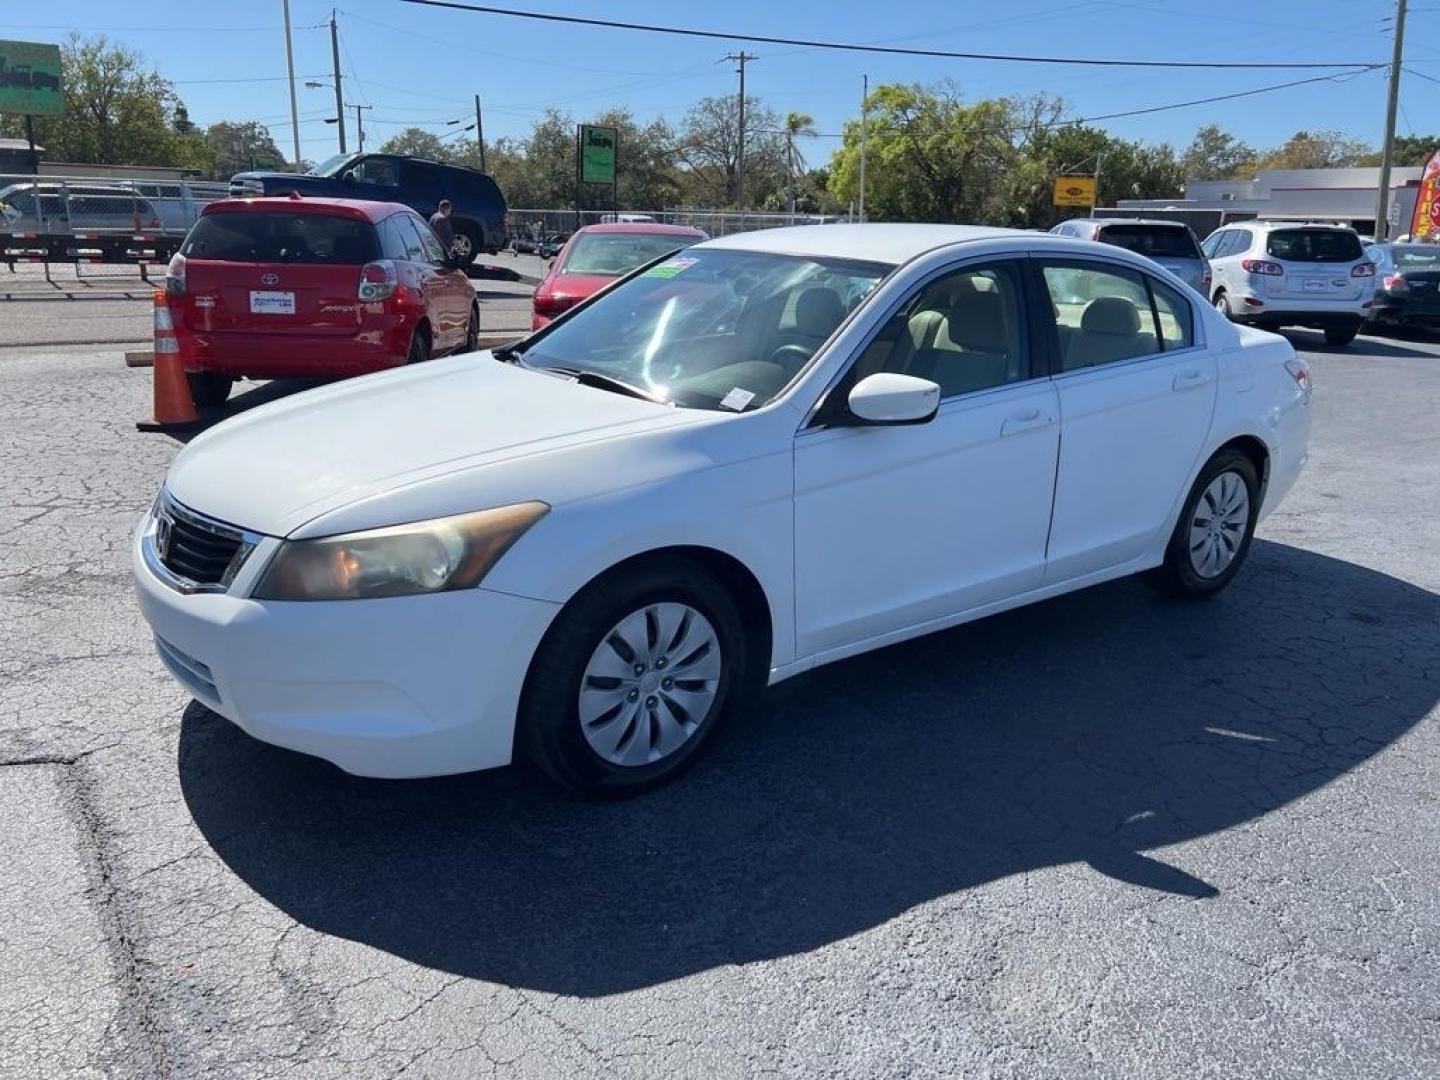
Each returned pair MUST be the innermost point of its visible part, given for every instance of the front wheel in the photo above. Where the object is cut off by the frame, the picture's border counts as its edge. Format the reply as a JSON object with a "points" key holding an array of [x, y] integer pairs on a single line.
{"points": [[1340, 335], [1212, 537], [633, 679]]}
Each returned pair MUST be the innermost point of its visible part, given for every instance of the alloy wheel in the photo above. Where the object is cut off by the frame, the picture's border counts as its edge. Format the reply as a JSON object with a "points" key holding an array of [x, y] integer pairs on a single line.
{"points": [[1217, 528], [650, 684]]}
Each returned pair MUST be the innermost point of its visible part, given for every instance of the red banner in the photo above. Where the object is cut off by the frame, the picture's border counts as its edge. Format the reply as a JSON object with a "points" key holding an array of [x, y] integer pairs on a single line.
{"points": [[1425, 224]]}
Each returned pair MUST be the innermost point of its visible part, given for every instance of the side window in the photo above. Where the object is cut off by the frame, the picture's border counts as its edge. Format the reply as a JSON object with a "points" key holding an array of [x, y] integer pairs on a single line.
{"points": [[421, 183], [392, 238], [1213, 243], [1239, 242], [410, 237], [965, 331], [379, 171], [1102, 315], [1177, 323], [429, 242]]}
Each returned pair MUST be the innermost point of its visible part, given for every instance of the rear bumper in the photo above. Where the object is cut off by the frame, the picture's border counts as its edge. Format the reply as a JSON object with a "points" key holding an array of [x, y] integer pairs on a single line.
{"points": [[1401, 310], [282, 356], [1289, 311]]}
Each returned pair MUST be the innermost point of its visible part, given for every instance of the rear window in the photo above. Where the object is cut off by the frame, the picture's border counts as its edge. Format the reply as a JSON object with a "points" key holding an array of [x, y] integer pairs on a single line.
{"points": [[1314, 245], [613, 254], [293, 238], [1416, 256], [1154, 241]]}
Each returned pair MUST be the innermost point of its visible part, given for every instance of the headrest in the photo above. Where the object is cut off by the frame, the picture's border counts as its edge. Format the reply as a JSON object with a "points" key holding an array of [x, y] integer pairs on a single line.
{"points": [[977, 322], [1111, 315], [818, 311]]}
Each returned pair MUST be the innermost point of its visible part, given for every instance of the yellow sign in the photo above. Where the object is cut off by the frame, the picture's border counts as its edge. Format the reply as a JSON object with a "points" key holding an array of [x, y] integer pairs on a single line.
{"points": [[1074, 191]]}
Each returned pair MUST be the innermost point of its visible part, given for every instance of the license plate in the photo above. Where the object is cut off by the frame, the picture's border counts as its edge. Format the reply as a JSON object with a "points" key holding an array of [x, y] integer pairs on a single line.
{"points": [[272, 303], [1308, 286]]}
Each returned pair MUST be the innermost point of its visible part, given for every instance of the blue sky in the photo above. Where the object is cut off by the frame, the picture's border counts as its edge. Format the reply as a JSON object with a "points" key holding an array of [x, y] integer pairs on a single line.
{"points": [[421, 66]]}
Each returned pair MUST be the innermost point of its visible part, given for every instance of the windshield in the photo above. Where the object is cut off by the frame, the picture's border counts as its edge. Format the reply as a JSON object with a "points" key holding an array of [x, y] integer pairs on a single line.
{"points": [[281, 237], [332, 165], [1314, 245], [710, 329], [1416, 256], [614, 254], [1154, 241]]}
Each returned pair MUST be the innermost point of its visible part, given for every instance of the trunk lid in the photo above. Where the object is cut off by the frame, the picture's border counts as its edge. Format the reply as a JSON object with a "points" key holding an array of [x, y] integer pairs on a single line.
{"points": [[267, 298]]}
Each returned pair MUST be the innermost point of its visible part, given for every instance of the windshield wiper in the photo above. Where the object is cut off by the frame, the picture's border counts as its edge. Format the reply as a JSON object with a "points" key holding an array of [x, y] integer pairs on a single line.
{"points": [[601, 381], [508, 353]]}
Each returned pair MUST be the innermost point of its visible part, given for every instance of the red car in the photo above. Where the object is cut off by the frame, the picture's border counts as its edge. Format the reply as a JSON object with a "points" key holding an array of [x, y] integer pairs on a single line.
{"points": [[598, 254], [293, 287]]}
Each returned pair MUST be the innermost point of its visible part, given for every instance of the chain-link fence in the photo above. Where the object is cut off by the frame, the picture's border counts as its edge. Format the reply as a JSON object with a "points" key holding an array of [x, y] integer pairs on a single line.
{"points": [[531, 227], [62, 217]]}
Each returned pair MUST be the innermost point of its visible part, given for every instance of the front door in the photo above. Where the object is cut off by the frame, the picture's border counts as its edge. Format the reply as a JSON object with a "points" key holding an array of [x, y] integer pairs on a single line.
{"points": [[897, 527], [1137, 393]]}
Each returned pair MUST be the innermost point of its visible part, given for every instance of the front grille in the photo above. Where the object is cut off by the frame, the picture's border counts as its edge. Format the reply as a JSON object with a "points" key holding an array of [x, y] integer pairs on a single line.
{"points": [[196, 549]]}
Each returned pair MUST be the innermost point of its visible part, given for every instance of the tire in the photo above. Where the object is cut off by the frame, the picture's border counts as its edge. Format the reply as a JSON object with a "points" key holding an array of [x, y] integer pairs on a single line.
{"points": [[207, 389], [1188, 571], [630, 716], [419, 346], [1340, 335], [472, 330], [467, 244], [1222, 304]]}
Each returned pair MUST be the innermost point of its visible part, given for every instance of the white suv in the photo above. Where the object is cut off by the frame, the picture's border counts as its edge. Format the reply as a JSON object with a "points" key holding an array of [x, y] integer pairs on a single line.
{"points": [[1286, 273]]}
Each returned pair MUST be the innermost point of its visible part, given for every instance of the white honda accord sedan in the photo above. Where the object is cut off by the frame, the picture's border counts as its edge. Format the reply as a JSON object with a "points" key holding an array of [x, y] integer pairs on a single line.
{"points": [[740, 462]]}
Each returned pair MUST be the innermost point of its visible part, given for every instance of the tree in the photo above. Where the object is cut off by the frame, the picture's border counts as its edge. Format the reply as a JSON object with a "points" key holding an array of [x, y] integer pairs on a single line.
{"points": [[710, 149], [417, 142], [797, 125], [1409, 150], [1315, 150], [236, 146], [645, 172], [1215, 154], [117, 112]]}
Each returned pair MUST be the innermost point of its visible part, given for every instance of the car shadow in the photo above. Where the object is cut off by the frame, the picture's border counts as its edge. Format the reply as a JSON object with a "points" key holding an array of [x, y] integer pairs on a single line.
{"points": [[242, 400], [1094, 728], [1369, 345]]}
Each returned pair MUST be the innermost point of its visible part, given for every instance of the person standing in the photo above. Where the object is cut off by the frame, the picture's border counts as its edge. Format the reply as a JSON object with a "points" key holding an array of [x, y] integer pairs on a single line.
{"points": [[440, 222]]}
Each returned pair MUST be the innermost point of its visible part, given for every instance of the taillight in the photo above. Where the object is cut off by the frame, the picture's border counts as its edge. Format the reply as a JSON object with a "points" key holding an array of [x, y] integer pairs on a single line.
{"points": [[1299, 371], [377, 280], [175, 275], [1363, 269], [554, 303], [1396, 283], [1262, 266]]}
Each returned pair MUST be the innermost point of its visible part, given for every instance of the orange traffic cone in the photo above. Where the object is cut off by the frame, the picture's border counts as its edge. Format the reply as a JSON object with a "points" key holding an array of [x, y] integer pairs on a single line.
{"points": [[173, 404]]}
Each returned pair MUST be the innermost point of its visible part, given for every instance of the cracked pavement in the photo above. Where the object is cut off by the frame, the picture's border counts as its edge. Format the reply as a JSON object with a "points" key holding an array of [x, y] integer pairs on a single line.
{"points": [[1105, 836]]}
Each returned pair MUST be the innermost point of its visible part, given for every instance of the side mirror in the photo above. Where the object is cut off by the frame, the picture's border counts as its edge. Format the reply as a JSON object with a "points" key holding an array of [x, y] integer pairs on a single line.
{"points": [[888, 398]]}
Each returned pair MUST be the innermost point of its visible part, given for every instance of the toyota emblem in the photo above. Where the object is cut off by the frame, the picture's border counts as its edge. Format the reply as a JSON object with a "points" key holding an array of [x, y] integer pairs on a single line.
{"points": [[269, 279]]}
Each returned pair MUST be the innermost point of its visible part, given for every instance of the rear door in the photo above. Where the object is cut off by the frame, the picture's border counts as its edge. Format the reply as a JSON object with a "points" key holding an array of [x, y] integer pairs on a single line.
{"points": [[1317, 265], [276, 273], [423, 253]]}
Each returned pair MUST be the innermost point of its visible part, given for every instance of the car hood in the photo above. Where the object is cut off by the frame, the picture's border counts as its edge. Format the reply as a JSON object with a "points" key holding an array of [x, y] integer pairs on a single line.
{"points": [[299, 181], [283, 465]]}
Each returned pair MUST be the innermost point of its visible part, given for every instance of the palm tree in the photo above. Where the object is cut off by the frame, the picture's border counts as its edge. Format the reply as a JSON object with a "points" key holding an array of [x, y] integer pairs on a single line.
{"points": [[796, 124]]}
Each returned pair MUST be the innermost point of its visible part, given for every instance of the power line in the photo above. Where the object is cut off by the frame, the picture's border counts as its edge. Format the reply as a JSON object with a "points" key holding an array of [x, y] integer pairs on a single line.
{"points": [[768, 39]]}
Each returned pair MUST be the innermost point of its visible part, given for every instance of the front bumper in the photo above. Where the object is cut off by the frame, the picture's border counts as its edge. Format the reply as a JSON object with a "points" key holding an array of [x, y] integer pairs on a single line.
{"points": [[401, 687]]}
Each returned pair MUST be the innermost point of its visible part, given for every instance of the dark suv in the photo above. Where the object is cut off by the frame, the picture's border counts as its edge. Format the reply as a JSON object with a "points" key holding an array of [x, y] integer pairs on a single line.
{"points": [[478, 207]]}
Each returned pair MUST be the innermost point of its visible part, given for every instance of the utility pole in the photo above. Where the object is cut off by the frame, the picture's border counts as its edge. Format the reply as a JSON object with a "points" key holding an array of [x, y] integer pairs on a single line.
{"points": [[1392, 100], [339, 97], [479, 133], [742, 58], [360, 124], [1095, 195], [290, 69], [864, 125]]}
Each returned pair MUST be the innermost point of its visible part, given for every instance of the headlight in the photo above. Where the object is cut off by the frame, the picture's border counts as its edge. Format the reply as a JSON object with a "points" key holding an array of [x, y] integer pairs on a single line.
{"points": [[401, 560]]}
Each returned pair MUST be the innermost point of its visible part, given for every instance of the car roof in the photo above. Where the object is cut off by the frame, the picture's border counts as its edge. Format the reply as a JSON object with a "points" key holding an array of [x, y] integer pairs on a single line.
{"points": [[873, 243], [640, 227], [1299, 225], [358, 209]]}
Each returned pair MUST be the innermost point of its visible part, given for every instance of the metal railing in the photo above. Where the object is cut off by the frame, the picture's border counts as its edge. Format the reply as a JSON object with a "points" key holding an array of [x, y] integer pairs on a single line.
{"points": [[535, 225]]}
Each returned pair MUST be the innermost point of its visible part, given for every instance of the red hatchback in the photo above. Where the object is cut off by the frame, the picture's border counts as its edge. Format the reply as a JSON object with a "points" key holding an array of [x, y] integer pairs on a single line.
{"points": [[294, 287], [598, 254]]}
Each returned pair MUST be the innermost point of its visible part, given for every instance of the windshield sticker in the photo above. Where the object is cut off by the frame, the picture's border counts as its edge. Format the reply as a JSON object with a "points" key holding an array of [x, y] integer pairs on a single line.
{"points": [[736, 400], [670, 267]]}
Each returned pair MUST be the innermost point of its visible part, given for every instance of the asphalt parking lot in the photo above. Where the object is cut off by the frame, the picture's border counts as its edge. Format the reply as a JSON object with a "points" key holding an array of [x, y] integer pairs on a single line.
{"points": [[1105, 836]]}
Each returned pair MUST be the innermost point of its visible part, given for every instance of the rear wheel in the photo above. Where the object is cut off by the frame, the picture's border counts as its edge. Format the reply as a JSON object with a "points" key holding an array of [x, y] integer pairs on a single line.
{"points": [[1212, 537], [472, 330], [1340, 335], [419, 347], [466, 246], [633, 679], [208, 389], [1222, 305]]}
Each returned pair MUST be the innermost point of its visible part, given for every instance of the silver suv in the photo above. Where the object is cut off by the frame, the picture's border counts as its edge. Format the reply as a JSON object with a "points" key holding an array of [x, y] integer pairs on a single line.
{"points": [[1169, 243], [1289, 273]]}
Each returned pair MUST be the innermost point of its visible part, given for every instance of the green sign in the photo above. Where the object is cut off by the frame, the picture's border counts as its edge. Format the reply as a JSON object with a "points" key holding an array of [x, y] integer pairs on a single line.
{"points": [[30, 79], [597, 154]]}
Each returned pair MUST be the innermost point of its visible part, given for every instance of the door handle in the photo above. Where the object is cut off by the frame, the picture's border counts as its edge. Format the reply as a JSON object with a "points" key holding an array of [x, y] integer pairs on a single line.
{"points": [[1190, 380], [1025, 421]]}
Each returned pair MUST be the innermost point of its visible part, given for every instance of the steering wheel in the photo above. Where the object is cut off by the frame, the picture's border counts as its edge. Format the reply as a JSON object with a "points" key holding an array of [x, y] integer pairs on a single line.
{"points": [[791, 356]]}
